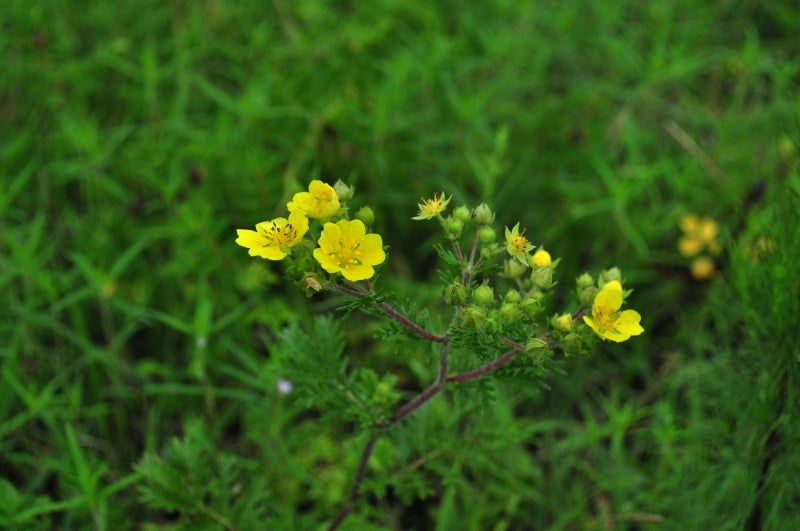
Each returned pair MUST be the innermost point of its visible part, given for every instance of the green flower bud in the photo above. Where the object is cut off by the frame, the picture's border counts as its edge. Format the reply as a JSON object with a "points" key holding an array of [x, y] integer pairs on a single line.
{"points": [[572, 344], [486, 254], [492, 326], [366, 215], [586, 296], [483, 295], [472, 317], [487, 235], [542, 277], [483, 215], [530, 306], [537, 349], [343, 191], [512, 296], [513, 269], [455, 294], [607, 275], [584, 281], [462, 214], [453, 226], [383, 390], [509, 313]]}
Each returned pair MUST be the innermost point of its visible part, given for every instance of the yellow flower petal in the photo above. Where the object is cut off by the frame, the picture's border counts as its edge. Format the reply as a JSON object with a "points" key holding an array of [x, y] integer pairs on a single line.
{"points": [[628, 323]]}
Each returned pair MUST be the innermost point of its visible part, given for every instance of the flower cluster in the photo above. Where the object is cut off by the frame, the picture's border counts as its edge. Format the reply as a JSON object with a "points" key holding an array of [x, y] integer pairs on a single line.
{"points": [[343, 246], [531, 269], [699, 242]]}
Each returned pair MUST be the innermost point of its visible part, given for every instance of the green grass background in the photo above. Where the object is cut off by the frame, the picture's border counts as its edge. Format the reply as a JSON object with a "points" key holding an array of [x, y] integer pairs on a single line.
{"points": [[135, 136]]}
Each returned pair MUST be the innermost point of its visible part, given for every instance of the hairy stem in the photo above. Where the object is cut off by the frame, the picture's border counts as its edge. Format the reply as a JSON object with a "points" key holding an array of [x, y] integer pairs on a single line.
{"points": [[391, 312], [361, 469], [480, 371]]}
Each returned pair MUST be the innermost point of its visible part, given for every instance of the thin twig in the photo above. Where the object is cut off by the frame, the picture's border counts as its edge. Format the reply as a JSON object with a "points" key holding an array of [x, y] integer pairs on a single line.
{"points": [[480, 371]]}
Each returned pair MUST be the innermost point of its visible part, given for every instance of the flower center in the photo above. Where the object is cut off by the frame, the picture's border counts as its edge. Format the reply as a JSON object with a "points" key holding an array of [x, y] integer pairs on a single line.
{"points": [[281, 235], [519, 243], [349, 252], [605, 319]]}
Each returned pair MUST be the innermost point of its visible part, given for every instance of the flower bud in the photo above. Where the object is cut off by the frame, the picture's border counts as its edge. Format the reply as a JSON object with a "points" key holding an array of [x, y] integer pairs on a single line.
{"points": [[607, 275], [584, 281], [530, 306], [486, 254], [542, 277], [483, 295], [513, 296], [540, 258], [537, 348], [366, 215], [383, 392], [462, 213], [586, 296], [492, 326], [509, 313], [482, 215], [562, 322], [513, 269], [572, 344], [343, 191], [453, 226], [455, 294], [487, 235], [472, 317]]}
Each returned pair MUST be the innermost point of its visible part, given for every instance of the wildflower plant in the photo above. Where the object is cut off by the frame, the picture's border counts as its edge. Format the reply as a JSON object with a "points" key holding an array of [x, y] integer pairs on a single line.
{"points": [[496, 299]]}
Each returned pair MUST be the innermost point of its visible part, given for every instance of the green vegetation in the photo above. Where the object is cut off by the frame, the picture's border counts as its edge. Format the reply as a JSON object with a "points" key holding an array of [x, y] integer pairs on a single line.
{"points": [[143, 349]]}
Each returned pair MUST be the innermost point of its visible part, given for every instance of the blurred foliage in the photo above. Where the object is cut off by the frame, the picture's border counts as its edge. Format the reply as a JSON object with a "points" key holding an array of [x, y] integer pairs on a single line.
{"points": [[142, 348]]}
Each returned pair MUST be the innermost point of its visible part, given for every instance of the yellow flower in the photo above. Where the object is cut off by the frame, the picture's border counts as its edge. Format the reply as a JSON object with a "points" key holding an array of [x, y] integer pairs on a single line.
{"points": [[541, 258], [607, 321], [346, 248], [698, 235], [702, 268], [430, 208], [320, 202], [272, 239], [517, 244]]}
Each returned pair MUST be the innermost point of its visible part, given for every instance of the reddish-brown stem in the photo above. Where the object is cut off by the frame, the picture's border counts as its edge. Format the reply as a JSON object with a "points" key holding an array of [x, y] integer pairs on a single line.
{"points": [[511, 343], [480, 371], [457, 249], [361, 469], [414, 403], [403, 320], [397, 316]]}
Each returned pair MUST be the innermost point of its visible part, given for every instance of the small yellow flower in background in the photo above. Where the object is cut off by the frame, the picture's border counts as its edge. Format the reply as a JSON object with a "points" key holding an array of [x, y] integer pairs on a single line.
{"points": [[607, 321], [699, 234], [273, 239], [699, 237], [517, 244], [346, 248], [541, 258], [702, 268], [763, 246], [320, 202], [430, 208]]}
